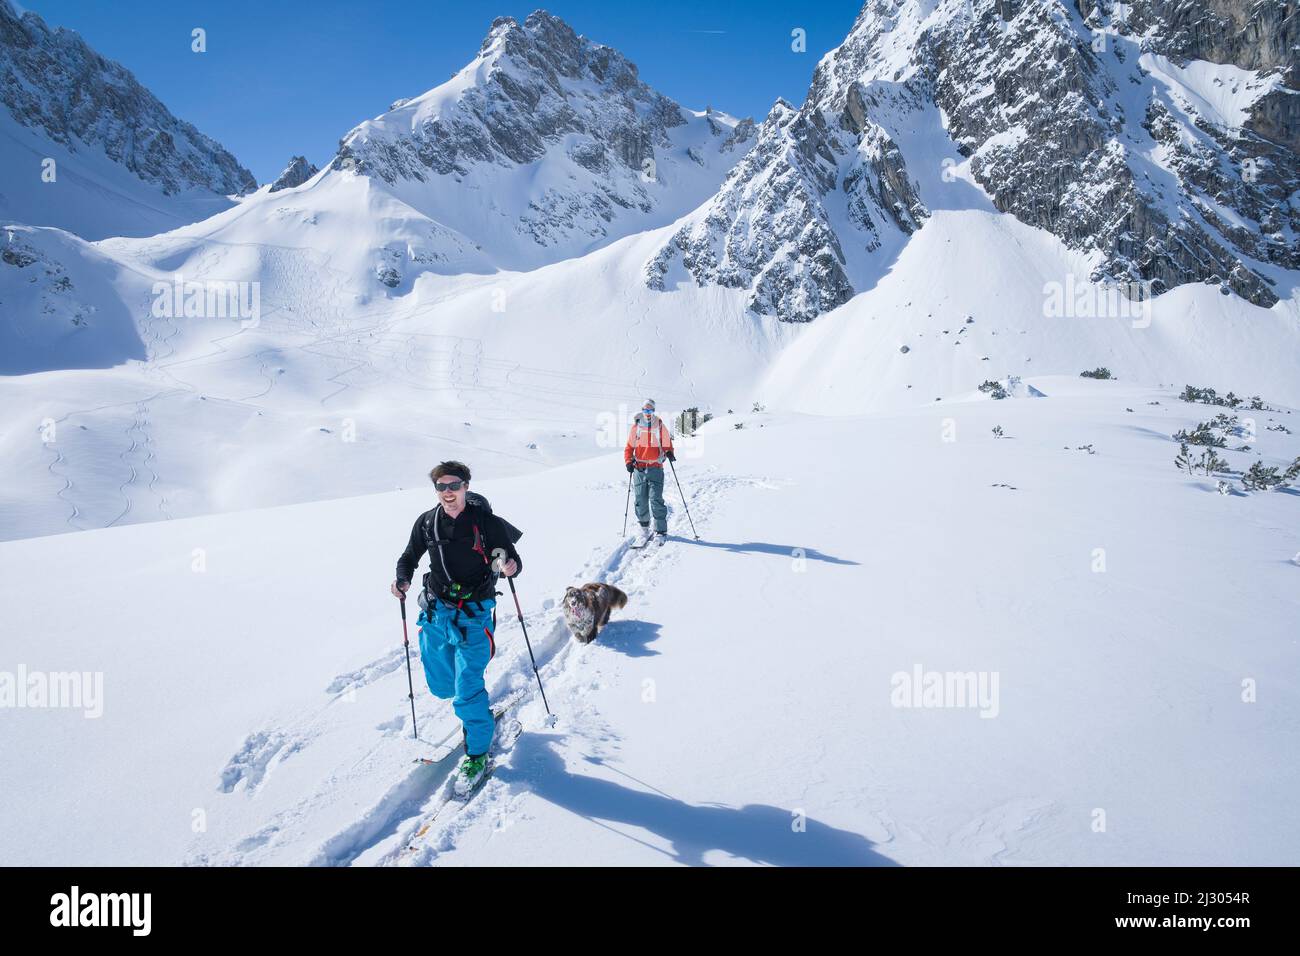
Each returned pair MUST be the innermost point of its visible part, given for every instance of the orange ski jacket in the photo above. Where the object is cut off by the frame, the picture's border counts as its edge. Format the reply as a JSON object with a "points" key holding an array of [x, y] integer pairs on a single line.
{"points": [[647, 441]]}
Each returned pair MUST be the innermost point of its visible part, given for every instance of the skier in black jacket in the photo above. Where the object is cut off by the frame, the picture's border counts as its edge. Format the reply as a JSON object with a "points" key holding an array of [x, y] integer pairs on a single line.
{"points": [[468, 546]]}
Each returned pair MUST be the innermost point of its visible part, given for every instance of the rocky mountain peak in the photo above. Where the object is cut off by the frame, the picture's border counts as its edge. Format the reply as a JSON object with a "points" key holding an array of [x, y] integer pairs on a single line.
{"points": [[52, 81], [295, 174], [601, 144]]}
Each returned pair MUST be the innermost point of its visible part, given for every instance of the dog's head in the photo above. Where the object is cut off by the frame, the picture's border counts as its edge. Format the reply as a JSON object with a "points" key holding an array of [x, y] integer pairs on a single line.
{"points": [[576, 598], [579, 613]]}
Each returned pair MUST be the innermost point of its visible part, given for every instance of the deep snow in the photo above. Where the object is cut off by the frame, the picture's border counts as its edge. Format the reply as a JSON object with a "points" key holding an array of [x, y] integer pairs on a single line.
{"points": [[747, 686]]}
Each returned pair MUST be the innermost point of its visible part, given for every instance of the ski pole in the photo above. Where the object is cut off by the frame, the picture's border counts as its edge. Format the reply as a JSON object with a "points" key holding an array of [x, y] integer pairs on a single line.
{"points": [[410, 685], [683, 496], [628, 503], [520, 612]]}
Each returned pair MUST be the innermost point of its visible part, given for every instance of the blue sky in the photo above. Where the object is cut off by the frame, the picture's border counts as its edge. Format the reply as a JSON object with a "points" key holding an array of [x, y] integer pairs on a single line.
{"points": [[281, 78]]}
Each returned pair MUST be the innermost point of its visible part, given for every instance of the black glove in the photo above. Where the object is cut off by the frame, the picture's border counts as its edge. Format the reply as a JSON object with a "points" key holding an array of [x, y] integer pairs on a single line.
{"points": [[669, 455], [630, 467]]}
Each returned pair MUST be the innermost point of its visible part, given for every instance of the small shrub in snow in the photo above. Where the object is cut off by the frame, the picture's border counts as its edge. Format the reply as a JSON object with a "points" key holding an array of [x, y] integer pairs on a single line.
{"points": [[1226, 423], [1263, 477], [1099, 372], [690, 419], [993, 388], [758, 408], [1208, 463], [739, 425], [997, 431], [1208, 396], [1202, 434]]}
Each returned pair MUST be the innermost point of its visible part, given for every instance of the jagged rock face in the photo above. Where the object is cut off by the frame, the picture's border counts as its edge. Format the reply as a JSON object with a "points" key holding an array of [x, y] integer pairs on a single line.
{"points": [[52, 81], [295, 174], [1083, 121], [767, 230], [1043, 100], [539, 92], [772, 227], [1251, 34]]}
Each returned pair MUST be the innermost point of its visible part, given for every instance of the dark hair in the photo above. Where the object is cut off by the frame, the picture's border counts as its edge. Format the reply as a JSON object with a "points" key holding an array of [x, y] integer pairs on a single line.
{"points": [[459, 469]]}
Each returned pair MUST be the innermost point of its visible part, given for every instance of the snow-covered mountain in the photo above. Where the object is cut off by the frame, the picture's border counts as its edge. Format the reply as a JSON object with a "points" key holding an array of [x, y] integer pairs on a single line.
{"points": [[122, 163], [465, 273], [389, 295], [545, 145], [1159, 138]]}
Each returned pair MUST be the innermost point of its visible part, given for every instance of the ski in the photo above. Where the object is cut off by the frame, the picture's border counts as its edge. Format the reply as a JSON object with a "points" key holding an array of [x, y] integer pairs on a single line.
{"points": [[442, 750], [503, 740]]}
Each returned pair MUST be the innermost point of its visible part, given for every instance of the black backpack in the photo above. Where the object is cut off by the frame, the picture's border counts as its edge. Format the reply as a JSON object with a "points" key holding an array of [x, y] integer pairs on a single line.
{"points": [[488, 586]]}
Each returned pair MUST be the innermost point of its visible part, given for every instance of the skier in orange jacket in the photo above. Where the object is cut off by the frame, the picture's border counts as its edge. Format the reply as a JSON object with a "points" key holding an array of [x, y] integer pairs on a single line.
{"points": [[648, 444]]}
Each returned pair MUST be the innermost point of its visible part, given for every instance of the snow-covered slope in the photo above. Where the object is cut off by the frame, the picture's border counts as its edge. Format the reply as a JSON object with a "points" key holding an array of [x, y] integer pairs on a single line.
{"points": [[338, 391], [915, 337], [746, 707], [122, 164], [391, 304], [410, 303], [59, 306]]}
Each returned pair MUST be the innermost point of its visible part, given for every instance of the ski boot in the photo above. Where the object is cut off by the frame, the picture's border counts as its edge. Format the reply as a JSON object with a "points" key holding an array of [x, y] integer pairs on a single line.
{"points": [[470, 774]]}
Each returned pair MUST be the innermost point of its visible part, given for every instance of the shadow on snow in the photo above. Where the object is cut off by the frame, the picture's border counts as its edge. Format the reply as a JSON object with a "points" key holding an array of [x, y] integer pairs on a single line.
{"points": [[756, 832]]}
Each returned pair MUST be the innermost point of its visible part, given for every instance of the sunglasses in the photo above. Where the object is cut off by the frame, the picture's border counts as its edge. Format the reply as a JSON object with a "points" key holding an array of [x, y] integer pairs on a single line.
{"points": [[449, 485]]}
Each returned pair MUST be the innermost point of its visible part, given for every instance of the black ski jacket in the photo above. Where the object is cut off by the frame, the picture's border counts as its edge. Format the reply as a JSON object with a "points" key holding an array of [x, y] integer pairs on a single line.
{"points": [[460, 550]]}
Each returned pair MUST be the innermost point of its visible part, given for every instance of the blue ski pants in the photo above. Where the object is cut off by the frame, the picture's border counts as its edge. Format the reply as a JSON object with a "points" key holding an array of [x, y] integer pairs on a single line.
{"points": [[455, 653]]}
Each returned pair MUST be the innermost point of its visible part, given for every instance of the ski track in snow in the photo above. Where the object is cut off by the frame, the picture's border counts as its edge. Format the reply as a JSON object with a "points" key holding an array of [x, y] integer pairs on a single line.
{"points": [[251, 763], [364, 346], [990, 836], [63, 494], [381, 834]]}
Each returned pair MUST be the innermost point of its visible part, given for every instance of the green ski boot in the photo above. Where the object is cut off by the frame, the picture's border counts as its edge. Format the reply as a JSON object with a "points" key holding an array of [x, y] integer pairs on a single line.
{"points": [[471, 773]]}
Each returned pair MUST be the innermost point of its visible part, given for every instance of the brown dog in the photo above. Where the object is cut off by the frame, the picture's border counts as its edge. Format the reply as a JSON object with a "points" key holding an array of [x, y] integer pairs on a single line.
{"points": [[586, 609]]}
